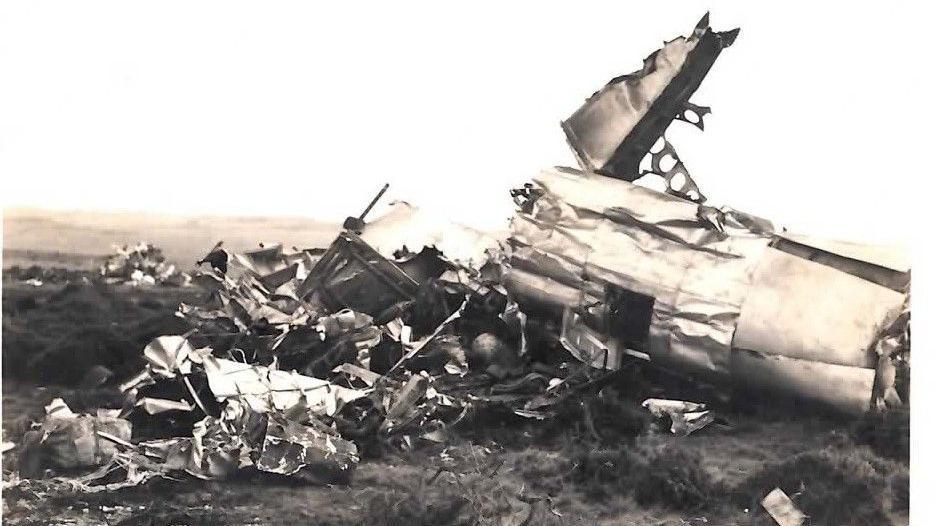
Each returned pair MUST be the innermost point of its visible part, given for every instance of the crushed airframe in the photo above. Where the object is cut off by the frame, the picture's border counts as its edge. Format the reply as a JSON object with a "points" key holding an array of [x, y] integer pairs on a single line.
{"points": [[404, 327]]}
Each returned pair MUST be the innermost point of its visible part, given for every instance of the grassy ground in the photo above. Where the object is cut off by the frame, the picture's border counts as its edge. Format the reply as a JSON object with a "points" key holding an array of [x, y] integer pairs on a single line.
{"points": [[500, 471]]}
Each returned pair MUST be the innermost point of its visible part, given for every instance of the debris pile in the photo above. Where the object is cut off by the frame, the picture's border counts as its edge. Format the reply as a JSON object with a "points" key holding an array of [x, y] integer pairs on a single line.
{"points": [[301, 362], [37, 276], [142, 264]]}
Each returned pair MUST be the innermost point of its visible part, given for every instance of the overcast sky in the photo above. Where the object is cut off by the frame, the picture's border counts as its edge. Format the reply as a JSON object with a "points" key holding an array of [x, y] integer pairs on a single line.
{"points": [[301, 109]]}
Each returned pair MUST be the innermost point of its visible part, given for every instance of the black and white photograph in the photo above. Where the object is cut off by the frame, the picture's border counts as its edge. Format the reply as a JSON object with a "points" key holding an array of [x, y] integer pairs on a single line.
{"points": [[493, 264]]}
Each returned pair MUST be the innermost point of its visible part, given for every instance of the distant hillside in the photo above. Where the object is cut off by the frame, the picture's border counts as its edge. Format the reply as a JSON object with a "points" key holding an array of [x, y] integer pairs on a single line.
{"points": [[184, 240]]}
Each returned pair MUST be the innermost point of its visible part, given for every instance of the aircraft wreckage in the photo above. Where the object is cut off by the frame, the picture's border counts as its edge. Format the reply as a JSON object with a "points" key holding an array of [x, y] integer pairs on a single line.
{"points": [[405, 325], [710, 293]]}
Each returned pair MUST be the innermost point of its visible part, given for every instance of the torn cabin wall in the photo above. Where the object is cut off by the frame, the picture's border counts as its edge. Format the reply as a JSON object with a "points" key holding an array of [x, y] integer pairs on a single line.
{"points": [[725, 306]]}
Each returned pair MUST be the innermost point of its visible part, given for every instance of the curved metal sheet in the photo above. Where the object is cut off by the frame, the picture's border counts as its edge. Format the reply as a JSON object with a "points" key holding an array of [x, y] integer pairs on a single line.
{"points": [[802, 309]]}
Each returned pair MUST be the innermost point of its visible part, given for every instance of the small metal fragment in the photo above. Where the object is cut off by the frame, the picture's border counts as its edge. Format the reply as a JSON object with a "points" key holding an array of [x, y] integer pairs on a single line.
{"points": [[781, 508]]}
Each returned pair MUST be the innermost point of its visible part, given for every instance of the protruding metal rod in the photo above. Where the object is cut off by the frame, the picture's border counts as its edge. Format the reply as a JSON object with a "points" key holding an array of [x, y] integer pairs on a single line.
{"points": [[372, 203]]}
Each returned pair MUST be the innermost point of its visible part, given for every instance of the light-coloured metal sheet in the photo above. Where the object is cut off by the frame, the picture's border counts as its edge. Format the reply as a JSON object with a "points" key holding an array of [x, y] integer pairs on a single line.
{"points": [[891, 257], [885, 266], [802, 309], [407, 229]]}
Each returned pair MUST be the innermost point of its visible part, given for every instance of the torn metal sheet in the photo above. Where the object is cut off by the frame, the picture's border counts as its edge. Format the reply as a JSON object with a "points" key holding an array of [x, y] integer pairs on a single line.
{"points": [[405, 230], [154, 406], [214, 451], [404, 406], [367, 376], [289, 446], [686, 417], [264, 389], [255, 293], [270, 264], [612, 132], [165, 355]]}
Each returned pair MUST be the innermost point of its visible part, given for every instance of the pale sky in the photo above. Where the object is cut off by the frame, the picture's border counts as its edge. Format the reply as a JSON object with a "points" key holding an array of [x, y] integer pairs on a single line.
{"points": [[307, 108]]}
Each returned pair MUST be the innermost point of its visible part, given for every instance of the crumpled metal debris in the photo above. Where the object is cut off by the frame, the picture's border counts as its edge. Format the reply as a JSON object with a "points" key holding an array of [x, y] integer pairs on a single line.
{"points": [[588, 345], [403, 408], [686, 417], [264, 389], [405, 231], [141, 264], [351, 274], [259, 316], [67, 441], [289, 446]]}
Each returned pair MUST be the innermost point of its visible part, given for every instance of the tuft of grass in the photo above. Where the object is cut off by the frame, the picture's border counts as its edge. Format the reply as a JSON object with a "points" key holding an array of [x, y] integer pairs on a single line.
{"points": [[543, 470], [674, 478], [608, 418], [831, 485], [160, 514], [887, 433], [669, 476], [421, 507], [899, 488]]}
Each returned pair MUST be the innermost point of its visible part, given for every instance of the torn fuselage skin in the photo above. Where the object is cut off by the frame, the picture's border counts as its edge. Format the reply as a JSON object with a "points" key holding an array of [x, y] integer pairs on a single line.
{"points": [[718, 302]]}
